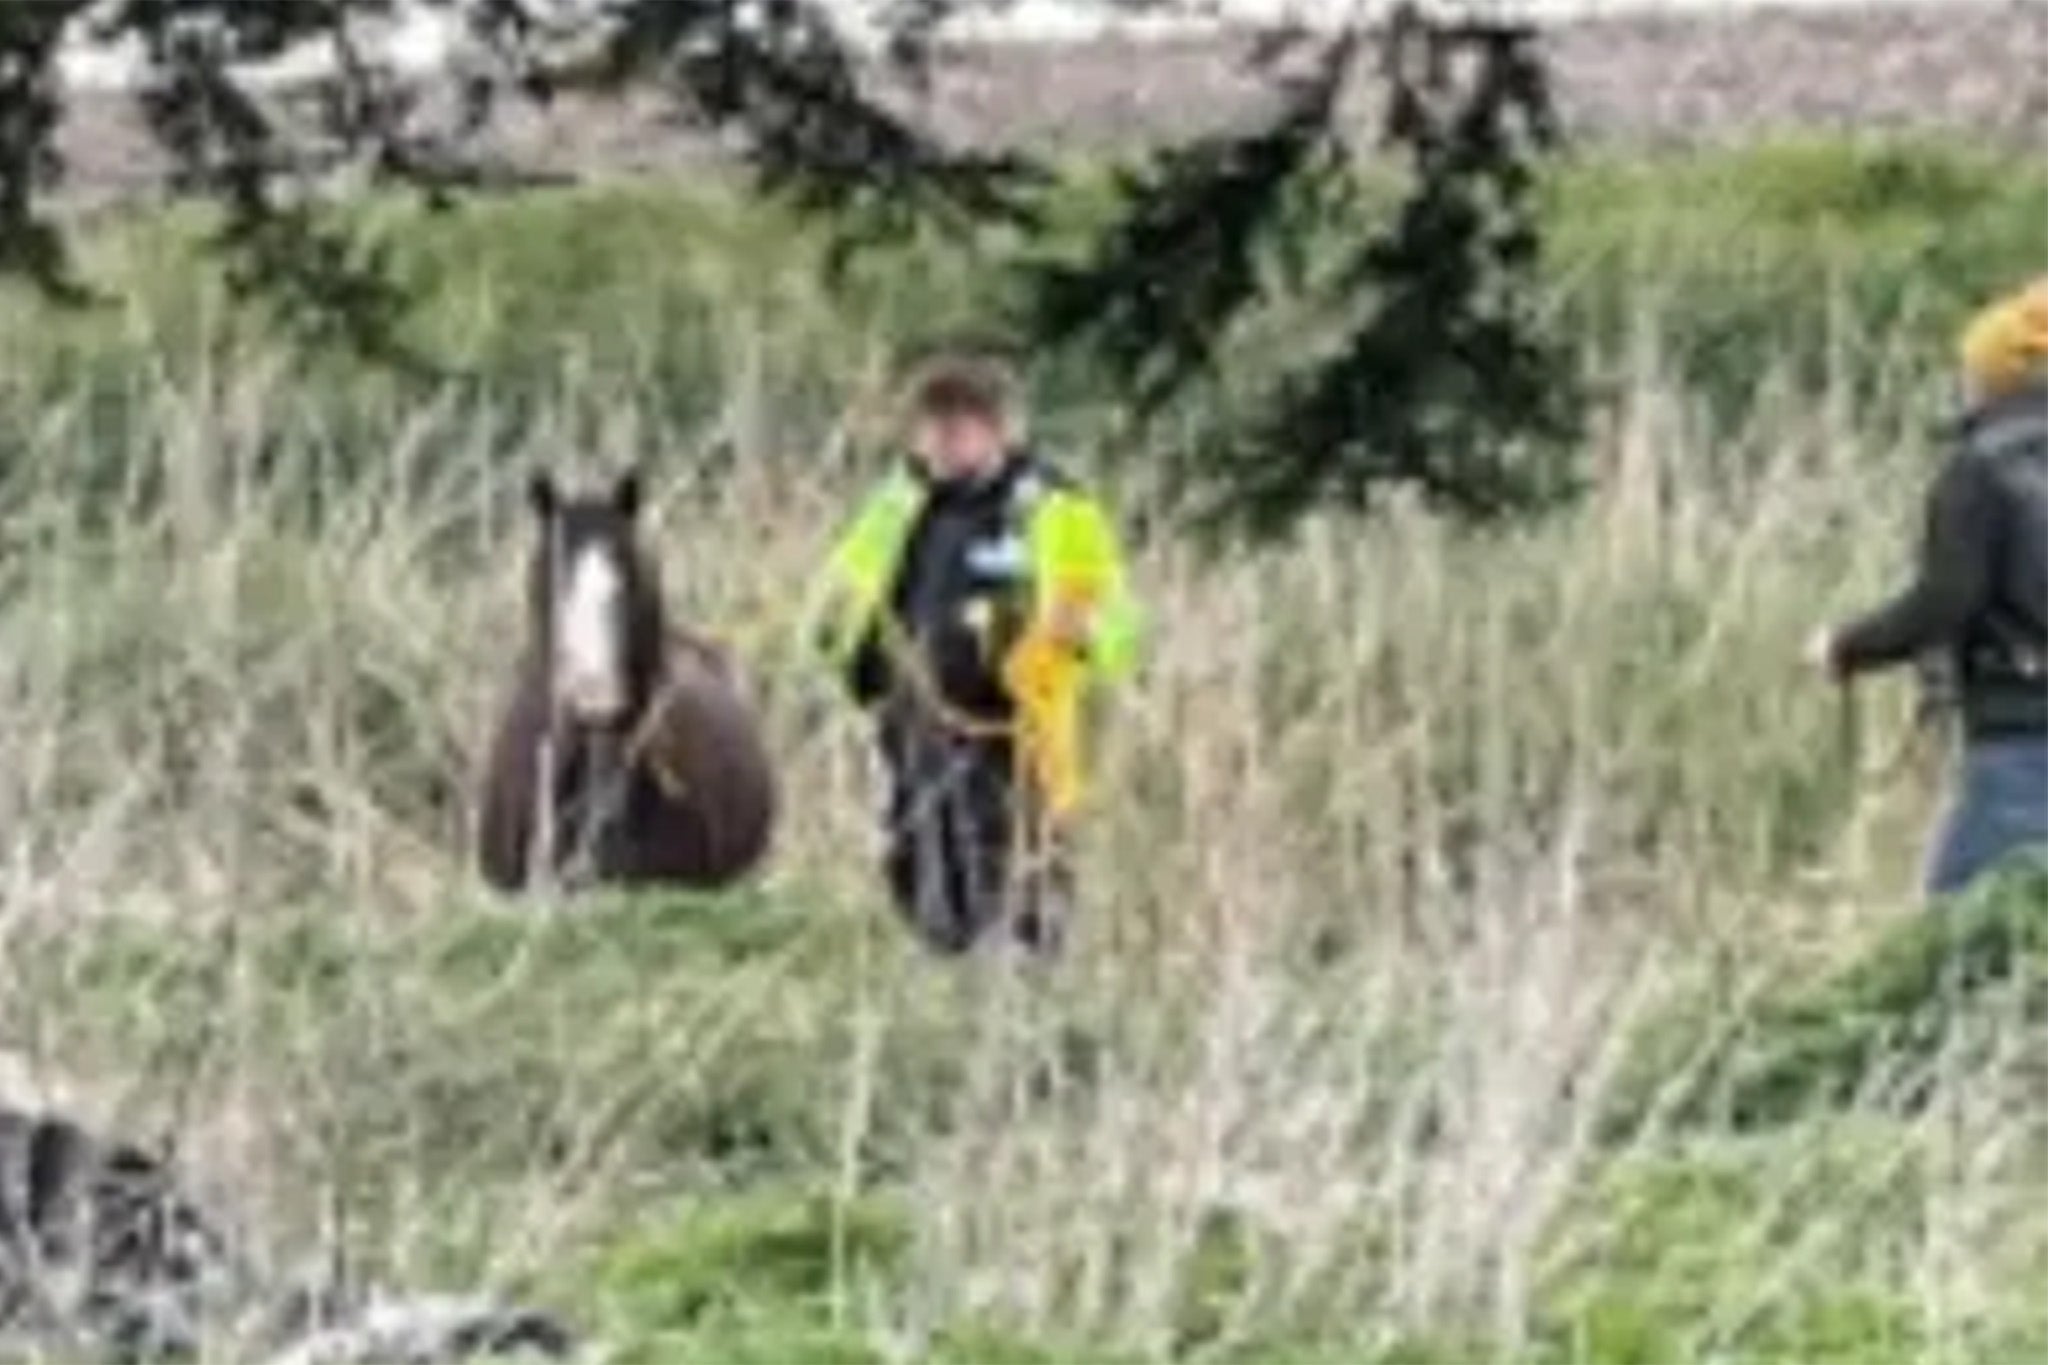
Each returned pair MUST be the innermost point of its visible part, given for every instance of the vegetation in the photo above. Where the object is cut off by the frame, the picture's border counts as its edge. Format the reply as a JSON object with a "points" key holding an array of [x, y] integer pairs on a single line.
{"points": [[1492, 951], [1431, 368]]}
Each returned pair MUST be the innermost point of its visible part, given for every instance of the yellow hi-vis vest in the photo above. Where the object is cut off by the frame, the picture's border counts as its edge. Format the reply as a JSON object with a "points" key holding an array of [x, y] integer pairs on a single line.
{"points": [[1076, 566]]}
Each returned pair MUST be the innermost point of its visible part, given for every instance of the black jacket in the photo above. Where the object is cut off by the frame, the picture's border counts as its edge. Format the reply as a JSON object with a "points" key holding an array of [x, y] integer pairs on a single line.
{"points": [[961, 589], [1981, 595]]}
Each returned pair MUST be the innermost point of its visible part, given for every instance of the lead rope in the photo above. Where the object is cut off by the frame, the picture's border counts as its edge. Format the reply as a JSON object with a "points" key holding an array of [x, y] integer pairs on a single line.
{"points": [[612, 788], [906, 663], [1035, 825], [614, 784]]}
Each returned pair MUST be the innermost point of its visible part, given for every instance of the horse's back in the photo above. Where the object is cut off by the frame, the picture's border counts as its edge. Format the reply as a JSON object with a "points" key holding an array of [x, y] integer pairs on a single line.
{"points": [[710, 759]]}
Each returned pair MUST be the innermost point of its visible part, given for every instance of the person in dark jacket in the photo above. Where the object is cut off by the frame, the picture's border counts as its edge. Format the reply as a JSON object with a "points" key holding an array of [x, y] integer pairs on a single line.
{"points": [[976, 590], [1980, 597]]}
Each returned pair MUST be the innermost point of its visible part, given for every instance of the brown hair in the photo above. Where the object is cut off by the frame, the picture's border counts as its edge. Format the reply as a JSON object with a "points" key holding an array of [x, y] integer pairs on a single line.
{"points": [[964, 384]]}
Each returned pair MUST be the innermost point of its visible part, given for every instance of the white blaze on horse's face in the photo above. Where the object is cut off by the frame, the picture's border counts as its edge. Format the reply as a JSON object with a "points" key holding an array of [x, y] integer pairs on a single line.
{"points": [[590, 637]]}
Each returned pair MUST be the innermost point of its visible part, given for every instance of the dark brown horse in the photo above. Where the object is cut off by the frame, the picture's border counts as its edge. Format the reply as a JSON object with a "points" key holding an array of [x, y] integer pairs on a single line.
{"points": [[628, 751]]}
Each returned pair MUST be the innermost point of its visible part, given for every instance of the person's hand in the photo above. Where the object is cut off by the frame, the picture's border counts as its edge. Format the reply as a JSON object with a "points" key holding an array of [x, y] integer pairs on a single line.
{"points": [[1820, 655], [1069, 624]]}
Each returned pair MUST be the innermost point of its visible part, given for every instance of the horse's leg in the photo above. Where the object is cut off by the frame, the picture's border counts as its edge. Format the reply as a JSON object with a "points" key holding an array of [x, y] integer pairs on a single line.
{"points": [[595, 843], [512, 794]]}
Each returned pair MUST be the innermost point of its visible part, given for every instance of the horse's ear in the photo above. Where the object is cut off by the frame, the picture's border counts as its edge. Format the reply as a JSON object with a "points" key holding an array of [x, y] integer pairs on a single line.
{"points": [[626, 494], [540, 493]]}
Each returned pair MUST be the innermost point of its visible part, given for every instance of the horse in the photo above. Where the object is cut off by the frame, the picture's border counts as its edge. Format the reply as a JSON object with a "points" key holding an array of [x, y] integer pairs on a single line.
{"points": [[628, 751]]}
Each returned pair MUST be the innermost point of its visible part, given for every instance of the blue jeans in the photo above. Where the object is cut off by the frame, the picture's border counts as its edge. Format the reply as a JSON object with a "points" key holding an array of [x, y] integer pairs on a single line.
{"points": [[1999, 809]]}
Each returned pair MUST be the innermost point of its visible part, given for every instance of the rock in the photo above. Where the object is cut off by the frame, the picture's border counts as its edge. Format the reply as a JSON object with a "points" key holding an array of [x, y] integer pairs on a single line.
{"points": [[431, 1330], [100, 1248], [104, 1256]]}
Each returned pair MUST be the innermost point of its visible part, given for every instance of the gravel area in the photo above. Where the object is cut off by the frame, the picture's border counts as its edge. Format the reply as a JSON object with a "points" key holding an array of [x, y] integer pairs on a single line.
{"points": [[1974, 67]]}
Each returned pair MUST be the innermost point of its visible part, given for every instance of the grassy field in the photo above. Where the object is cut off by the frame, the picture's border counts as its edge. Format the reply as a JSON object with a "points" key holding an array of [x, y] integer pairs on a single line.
{"points": [[1493, 951]]}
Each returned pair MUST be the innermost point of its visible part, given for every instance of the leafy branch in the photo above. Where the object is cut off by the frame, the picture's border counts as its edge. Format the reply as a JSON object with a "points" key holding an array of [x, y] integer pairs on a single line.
{"points": [[1440, 375]]}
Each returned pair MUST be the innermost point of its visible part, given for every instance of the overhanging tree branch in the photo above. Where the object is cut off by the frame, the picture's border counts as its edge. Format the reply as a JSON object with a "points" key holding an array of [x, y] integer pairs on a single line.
{"points": [[1155, 297], [30, 109], [1449, 382], [1433, 371], [1440, 377]]}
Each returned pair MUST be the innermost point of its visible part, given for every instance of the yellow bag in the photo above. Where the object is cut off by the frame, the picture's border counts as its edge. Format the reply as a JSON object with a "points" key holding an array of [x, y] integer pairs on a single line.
{"points": [[1045, 678]]}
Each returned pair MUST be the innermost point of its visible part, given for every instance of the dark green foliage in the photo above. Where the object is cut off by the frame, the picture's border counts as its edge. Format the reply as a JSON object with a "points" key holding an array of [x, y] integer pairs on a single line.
{"points": [[29, 112], [768, 1275], [1672, 1266], [794, 1250], [1449, 384], [1800, 262], [1440, 379], [1880, 1025], [1869, 1035], [1439, 376], [783, 76], [787, 1275], [651, 297], [226, 145], [1154, 296], [780, 77], [1213, 1280]]}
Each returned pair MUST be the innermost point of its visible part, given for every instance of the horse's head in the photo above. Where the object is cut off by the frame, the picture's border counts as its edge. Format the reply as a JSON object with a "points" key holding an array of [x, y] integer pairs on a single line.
{"points": [[596, 603]]}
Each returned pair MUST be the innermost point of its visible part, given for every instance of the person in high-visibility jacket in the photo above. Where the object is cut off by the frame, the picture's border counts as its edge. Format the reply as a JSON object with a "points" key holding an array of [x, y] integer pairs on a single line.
{"points": [[976, 595]]}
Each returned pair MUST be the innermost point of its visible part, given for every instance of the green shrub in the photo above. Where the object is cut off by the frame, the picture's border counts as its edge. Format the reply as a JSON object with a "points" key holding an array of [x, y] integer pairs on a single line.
{"points": [[1672, 1265], [766, 1275], [1869, 1033]]}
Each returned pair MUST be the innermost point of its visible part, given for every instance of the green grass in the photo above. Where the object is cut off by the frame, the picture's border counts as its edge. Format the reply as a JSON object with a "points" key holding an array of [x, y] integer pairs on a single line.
{"points": [[1492, 953], [1809, 259]]}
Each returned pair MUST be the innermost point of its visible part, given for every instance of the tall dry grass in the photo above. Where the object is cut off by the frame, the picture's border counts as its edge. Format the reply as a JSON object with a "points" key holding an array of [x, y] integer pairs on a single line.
{"points": [[1404, 839]]}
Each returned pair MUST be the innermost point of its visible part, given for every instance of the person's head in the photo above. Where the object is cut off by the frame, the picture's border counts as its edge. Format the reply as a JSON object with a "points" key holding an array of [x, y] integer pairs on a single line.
{"points": [[963, 416], [2004, 350]]}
